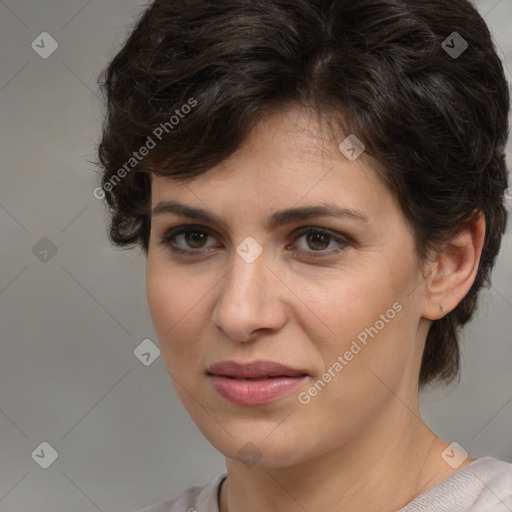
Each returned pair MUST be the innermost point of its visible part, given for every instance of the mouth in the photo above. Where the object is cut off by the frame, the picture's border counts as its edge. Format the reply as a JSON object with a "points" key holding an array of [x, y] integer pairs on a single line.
{"points": [[256, 383]]}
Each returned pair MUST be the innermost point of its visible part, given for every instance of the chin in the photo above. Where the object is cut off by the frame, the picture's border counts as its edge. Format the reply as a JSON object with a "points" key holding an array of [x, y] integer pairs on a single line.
{"points": [[251, 446]]}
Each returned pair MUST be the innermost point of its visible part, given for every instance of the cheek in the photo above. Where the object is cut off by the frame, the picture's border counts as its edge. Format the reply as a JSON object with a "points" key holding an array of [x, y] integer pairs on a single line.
{"points": [[354, 303], [160, 297], [175, 309], [168, 294], [370, 316]]}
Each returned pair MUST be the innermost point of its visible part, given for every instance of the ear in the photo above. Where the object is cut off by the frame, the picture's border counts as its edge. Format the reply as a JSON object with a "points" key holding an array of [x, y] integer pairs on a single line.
{"points": [[454, 271]]}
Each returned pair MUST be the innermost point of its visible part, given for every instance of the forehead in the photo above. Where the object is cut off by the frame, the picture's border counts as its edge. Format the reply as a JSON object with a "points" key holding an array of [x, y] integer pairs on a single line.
{"points": [[287, 159]]}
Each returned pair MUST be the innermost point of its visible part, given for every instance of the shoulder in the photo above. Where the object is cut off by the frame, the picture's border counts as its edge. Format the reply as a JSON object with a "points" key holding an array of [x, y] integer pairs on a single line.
{"points": [[494, 481], [485, 485], [199, 498]]}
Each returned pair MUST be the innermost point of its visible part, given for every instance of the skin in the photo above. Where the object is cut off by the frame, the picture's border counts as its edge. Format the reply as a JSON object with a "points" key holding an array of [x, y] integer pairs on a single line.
{"points": [[361, 443]]}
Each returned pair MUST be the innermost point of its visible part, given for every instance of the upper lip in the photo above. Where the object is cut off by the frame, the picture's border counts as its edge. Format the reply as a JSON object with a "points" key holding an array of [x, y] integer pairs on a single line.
{"points": [[254, 369]]}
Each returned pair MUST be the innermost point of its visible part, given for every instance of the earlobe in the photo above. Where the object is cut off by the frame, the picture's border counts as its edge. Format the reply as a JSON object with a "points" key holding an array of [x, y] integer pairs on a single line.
{"points": [[454, 270]]}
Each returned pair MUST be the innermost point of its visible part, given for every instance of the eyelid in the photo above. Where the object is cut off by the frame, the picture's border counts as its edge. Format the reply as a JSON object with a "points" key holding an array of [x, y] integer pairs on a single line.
{"points": [[172, 233], [342, 239]]}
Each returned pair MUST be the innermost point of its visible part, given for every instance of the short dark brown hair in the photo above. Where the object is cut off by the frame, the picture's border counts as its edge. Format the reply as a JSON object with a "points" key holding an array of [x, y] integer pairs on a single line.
{"points": [[435, 120]]}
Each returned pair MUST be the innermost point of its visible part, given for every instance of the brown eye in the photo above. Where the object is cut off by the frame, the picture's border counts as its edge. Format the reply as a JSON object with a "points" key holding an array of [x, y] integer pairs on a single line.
{"points": [[186, 239], [318, 241], [195, 239]]}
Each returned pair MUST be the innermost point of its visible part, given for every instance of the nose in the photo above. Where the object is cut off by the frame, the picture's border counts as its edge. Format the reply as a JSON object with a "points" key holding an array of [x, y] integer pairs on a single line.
{"points": [[249, 303]]}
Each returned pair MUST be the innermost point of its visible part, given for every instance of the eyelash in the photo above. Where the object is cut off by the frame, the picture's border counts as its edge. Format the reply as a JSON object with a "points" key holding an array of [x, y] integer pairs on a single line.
{"points": [[169, 236]]}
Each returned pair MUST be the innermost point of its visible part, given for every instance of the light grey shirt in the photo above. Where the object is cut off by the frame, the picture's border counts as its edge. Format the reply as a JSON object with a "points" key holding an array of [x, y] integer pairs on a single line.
{"points": [[485, 485]]}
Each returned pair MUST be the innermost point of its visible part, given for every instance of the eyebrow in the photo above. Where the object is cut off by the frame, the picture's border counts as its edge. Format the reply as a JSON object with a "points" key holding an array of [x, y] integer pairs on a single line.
{"points": [[278, 218]]}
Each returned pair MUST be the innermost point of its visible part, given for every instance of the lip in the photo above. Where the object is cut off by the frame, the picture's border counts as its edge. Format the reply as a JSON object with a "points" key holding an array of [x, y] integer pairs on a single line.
{"points": [[254, 370], [254, 383], [254, 392]]}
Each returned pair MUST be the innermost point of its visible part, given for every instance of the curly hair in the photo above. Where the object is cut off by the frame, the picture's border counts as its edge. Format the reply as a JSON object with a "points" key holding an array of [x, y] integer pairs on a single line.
{"points": [[420, 83]]}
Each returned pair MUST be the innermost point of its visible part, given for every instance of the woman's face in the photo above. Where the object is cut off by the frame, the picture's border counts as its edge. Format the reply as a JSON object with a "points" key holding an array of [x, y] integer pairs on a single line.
{"points": [[343, 306]]}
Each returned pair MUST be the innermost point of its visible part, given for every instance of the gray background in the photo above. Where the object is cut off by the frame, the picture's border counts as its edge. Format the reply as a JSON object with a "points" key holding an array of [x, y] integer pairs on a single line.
{"points": [[69, 325]]}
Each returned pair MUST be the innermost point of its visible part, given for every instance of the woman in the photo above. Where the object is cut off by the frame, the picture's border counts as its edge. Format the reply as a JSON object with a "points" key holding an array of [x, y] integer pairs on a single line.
{"points": [[319, 189]]}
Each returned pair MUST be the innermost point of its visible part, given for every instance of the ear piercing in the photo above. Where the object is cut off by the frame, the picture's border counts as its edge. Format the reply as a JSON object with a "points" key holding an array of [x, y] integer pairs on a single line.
{"points": [[442, 310]]}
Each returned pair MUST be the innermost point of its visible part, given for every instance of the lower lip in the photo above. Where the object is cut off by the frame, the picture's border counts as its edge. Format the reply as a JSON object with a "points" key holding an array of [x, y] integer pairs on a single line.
{"points": [[255, 392]]}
